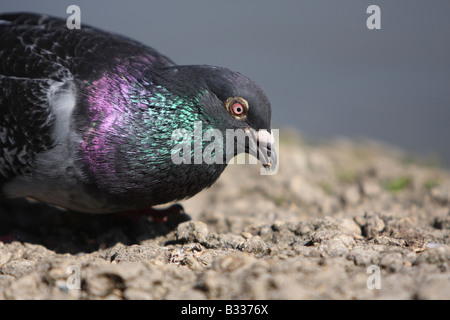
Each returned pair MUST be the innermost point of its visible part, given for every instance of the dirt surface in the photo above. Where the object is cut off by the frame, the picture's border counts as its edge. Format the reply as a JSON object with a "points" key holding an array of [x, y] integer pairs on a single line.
{"points": [[340, 220]]}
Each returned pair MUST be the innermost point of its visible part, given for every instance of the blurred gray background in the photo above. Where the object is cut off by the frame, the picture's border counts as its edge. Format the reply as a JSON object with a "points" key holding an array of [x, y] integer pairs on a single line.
{"points": [[323, 70]]}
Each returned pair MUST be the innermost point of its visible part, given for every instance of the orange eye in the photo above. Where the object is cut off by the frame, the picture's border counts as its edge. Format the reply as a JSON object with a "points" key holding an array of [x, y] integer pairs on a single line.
{"points": [[237, 107]]}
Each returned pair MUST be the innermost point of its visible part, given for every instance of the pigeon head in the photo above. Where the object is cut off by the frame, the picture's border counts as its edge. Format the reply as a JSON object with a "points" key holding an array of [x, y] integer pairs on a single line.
{"points": [[230, 101]]}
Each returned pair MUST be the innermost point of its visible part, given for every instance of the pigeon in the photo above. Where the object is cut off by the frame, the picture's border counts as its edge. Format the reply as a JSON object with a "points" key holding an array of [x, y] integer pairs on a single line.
{"points": [[92, 121]]}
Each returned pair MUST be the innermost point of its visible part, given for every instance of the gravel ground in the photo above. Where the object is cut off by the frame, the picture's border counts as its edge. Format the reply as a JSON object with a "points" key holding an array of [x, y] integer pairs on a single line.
{"points": [[341, 220]]}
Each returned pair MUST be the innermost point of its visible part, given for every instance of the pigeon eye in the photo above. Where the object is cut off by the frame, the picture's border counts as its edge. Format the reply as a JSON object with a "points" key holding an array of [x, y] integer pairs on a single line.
{"points": [[237, 107]]}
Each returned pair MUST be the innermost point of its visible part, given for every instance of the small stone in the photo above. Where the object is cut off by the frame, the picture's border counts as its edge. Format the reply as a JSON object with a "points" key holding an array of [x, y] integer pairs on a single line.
{"points": [[371, 225], [349, 227], [333, 243], [323, 235], [192, 231], [18, 267], [253, 245], [392, 261]]}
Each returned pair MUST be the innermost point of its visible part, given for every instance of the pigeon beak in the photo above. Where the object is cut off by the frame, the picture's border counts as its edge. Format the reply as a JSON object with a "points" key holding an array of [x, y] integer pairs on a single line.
{"points": [[264, 148]]}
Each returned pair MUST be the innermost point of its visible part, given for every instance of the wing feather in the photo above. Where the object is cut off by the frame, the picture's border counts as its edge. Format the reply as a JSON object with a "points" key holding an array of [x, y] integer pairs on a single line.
{"points": [[41, 64]]}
